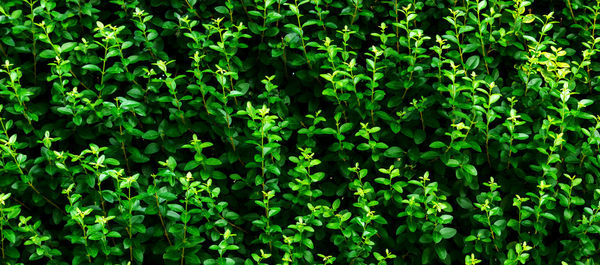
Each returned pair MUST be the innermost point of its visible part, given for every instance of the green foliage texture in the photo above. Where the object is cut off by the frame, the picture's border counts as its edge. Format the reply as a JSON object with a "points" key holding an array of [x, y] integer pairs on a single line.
{"points": [[299, 132]]}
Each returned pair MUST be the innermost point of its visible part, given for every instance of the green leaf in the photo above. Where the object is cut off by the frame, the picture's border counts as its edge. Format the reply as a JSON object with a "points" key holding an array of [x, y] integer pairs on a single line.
{"points": [[452, 163], [136, 156], [393, 152], [112, 162], [138, 254], [12, 252], [170, 82], [210, 262], [470, 169], [437, 144], [92, 67], [171, 163], [213, 162], [47, 54], [464, 203], [67, 46], [113, 234], [441, 252], [472, 62], [437, 237], [9, 235], [308, 242], [550, 216], [8, 41], [447, 232], [547, 27], [429, 155], [395, 85], [150, 135], [471, 47], [191, 165], [345, 127], [494, 98], [363, 147], [528, 18], [152, 148], [222, 10], [419, 136]]}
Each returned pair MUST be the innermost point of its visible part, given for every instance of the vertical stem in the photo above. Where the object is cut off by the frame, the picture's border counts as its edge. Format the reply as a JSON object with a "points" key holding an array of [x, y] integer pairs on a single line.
{"points": [[284, 58], [373, 85], [509, 152], [354, 14], [192, 9], [302, 37], [593, 34], [162, 222], [487, 146], [123, 149], [571, 10], [492, 231], [33, 50], [184, 230], [104, 63], [129, 231], [85, 237], [2, 230], [397, 30], [3, 51], [481, 41], [245, 9]]}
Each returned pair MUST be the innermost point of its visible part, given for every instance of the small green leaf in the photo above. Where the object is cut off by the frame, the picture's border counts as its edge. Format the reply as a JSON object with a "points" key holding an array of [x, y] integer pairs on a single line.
{"points": [[92, 67], [393, 152], [8, 41], [222, 10], [550, 216], [470, 169], [213, 162], [528, 18], [9, 235], [452, 163], [441, 252], [47, 54], [437, 144], [447, 232], [472, 62], [150, 135], [419, 136]]}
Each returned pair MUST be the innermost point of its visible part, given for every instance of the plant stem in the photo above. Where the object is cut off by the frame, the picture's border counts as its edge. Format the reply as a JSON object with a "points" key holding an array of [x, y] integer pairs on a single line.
{"points": [[184, 230], [161, 218]]}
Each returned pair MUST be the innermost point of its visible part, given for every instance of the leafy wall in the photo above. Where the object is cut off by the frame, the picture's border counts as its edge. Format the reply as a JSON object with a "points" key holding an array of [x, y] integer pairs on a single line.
{"points": [[299, 132]]}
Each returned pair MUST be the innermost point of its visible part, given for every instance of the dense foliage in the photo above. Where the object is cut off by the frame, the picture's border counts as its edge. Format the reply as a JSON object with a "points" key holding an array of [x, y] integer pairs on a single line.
{"points": [[299, 132]]}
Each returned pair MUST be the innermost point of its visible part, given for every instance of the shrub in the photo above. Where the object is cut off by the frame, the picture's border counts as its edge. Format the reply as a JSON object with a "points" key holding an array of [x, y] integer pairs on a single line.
{"points": [[299, 132]]}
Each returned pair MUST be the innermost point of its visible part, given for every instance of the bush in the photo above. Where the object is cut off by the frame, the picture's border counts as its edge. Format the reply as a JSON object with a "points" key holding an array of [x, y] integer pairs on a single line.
{"points": [[299, 132]]}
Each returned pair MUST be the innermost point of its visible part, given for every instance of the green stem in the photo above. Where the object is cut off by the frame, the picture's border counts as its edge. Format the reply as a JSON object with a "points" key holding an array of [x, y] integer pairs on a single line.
{"points": [[129, 231], [2, 230], [184, 232]]}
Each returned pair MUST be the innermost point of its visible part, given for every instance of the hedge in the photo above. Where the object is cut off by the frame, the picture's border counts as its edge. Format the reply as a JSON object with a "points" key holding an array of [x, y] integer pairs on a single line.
{"points": [[299, 132]]}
